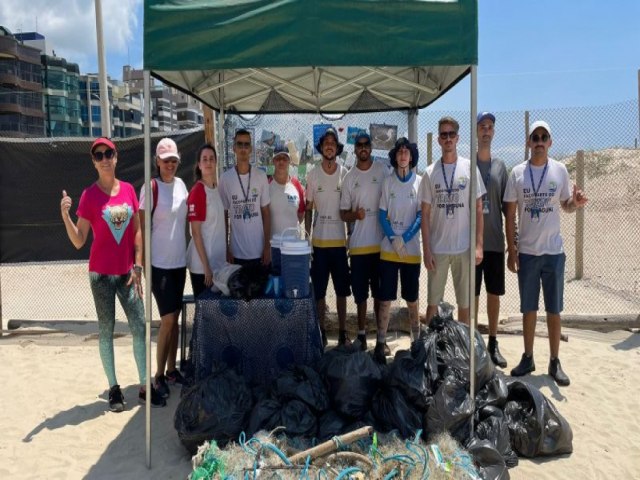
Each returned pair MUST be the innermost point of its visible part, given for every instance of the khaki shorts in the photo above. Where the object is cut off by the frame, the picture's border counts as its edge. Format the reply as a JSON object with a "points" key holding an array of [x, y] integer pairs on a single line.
{"points": [[459, 264]]}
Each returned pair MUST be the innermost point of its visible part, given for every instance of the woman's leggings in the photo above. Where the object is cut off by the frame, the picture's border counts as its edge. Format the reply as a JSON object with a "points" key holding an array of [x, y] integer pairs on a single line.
{"points": [[104, 289]]}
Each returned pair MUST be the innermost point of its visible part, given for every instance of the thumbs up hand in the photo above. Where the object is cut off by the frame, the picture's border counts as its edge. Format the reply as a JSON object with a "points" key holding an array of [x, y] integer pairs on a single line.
{"points": [[65, 204]]}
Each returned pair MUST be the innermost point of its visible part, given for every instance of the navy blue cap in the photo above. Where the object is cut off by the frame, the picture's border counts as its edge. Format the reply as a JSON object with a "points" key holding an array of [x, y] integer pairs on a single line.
{"points": [[484, 115]]}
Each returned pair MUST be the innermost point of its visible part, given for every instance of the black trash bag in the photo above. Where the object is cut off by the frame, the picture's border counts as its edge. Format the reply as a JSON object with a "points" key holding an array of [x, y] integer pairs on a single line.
{"points": [[492, 426], [248, 282], [298, 419], [452, 350], [330, 424], [393, 412], [494, 393], [487, 460], [451, 410], [265, 415], [535, 426], [303, 383], [406, 373], [216, 408], [351, 378]]}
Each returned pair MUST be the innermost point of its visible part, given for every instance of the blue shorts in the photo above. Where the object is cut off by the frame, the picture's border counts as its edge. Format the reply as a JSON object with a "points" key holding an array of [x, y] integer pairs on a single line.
{"points": [[365, 275], [167, 286], [330, 261], [409, 280], [545, 269]]}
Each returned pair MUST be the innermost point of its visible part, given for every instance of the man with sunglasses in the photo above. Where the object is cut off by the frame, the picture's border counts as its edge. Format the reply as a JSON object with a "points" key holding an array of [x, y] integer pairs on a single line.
{"points": [[244, 190], [538, 189], [446, 222], [359, 203], [324, 183], [494, 177]]}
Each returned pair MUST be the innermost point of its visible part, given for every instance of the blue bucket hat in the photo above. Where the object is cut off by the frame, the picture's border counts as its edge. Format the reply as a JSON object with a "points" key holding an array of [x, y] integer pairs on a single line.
{"points": [[330, 131], [362, 134], [413, 149]]}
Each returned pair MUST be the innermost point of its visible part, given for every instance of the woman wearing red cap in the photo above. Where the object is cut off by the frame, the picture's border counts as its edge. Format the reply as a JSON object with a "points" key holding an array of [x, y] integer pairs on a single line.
{"points": [[109, 207]]}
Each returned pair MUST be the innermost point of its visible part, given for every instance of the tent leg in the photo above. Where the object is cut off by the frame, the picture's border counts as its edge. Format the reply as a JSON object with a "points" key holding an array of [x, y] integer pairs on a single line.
{"points": [[147, 258], [472, 234]]}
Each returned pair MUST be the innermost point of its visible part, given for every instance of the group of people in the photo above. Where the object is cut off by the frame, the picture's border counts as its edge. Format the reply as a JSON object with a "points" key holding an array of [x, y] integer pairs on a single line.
{"points": [[366, 222], [368, 227]]}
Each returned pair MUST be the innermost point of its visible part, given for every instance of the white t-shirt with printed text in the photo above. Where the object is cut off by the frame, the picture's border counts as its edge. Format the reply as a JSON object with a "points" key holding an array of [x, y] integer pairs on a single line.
{"points": [[401, 200], [287, 201], [450, 218], [539, 215], [361, 189], [245, 215], [324, 191]]}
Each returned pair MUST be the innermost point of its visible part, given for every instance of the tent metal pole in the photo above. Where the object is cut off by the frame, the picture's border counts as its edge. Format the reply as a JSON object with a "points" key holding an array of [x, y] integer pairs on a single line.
{"points": [[413, 125], [105, 109], [472, 256], [147, 257]]}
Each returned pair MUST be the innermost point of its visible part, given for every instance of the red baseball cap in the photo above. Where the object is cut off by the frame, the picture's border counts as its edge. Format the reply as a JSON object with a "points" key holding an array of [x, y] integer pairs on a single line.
{"points": [[103, 141]]}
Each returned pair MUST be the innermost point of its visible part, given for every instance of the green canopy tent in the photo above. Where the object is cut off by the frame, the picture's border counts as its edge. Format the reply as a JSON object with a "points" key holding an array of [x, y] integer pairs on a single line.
{"points": [[314, 56]]}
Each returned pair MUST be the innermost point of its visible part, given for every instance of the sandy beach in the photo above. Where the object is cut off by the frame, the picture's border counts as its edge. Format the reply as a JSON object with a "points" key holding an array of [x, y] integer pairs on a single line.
{"points": [[56, 423]]}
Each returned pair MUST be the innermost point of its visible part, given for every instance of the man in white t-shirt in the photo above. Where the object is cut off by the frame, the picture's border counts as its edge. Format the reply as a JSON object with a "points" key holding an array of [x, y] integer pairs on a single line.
{"points": [[359, 202], [324, 183], [446, 214], [245, 195], [287, 205], [537, 189]]}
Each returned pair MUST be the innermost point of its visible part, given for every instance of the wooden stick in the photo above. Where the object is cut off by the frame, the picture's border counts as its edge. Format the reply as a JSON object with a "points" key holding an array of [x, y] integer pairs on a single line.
{"points": [[331, 446], [350, 456]]}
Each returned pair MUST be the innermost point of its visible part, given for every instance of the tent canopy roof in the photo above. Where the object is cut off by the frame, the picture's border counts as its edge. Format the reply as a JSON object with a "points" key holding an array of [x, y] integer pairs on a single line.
{"points": [[329, 56]]}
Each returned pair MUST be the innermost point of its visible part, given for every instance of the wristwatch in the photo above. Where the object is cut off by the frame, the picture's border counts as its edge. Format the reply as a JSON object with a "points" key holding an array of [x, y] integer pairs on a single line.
{"points": [[137, 269]]}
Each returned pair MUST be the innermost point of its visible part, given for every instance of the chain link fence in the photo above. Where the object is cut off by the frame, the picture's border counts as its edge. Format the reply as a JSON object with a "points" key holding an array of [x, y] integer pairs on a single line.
{"points": [[607, 280]]}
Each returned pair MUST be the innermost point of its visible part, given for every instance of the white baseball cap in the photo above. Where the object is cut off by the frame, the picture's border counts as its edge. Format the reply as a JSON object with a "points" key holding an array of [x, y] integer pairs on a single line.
{"points": [[539, 124]]}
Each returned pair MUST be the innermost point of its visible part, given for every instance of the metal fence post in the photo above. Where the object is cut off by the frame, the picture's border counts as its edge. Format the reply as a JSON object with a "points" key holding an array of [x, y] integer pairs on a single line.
{"points": [[580, 217], [429, 148], [526, 135]]}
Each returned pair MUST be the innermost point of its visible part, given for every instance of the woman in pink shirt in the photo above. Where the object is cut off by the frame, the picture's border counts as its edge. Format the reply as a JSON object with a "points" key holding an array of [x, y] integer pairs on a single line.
{"points": [[109, 207]]}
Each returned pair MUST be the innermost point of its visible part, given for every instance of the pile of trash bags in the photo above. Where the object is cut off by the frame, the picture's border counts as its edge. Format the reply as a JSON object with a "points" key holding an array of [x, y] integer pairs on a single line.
{"points": [[425, 388]]}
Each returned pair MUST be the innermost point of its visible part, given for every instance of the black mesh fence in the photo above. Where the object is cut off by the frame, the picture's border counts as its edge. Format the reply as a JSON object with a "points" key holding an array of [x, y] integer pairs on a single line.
{"points": [[42, 276]]}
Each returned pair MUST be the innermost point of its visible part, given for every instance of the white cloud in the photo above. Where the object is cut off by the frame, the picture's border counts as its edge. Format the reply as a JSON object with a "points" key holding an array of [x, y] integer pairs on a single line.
{"points": [[69, 27]]}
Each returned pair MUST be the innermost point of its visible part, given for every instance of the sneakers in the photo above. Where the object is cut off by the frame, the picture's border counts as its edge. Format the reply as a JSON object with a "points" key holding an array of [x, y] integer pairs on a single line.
{"points": [[156, 400], [116, 399], [379, 354], [525, 366], [162, 387], [494, 353], [361, 342], [175, 378], [556, 372]]}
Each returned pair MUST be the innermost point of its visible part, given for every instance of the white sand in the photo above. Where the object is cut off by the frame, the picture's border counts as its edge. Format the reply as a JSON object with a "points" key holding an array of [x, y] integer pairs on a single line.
{"points": [[55, 422]]}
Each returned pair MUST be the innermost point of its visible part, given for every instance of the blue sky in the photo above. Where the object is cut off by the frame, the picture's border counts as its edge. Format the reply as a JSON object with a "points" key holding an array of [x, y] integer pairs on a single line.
{"points": [[544, 54]]}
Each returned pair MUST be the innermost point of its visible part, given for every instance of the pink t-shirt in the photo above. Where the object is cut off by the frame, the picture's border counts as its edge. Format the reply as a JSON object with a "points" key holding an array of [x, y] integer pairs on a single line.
{"points": [[111, 218]]}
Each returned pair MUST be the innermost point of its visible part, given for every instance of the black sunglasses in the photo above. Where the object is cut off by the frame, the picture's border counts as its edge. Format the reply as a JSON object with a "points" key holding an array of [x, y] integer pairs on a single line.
{"points": [[243, 144], [108, 154], [539, 138], [449, 134], [362, 144]]}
